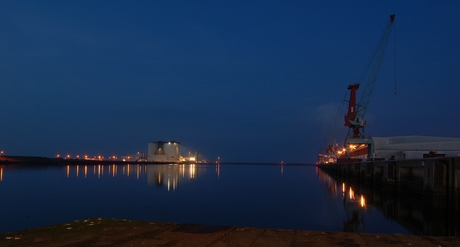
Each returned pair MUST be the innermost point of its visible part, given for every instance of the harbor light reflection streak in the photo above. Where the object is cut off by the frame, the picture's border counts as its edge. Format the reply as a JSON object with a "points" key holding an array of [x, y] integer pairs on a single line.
{"points": [[174, 171], [168, 176]]}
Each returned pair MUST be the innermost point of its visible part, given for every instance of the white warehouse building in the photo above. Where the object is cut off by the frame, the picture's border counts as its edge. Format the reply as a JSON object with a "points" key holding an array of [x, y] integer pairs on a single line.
{"points": [[415, 147], [164, 151]]}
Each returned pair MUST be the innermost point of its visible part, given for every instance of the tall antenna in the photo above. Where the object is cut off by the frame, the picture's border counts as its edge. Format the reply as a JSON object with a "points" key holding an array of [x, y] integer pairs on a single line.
{"points": [[394, 35]]}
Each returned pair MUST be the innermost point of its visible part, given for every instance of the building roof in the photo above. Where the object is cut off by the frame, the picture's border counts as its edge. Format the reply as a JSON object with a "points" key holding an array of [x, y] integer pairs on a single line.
{"points": [[417, 143], [418, 139]]}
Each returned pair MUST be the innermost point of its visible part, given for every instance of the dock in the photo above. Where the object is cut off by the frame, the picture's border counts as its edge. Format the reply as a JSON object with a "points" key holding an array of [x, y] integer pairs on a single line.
{"points": [[423, 195], [435, 175], [122, 232]]}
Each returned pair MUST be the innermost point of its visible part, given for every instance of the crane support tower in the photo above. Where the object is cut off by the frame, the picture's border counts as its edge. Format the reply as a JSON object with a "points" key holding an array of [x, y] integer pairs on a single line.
{"points": [[331, 154], [356, 111]]}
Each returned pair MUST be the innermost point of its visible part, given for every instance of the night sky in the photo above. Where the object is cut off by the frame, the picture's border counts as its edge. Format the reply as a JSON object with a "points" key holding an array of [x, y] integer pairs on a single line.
{"points": [[255, 81]]}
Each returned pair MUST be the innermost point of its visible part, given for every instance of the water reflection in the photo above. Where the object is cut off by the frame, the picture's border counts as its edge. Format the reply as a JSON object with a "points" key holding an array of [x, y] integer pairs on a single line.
{"points": [[188, 171], [274, 196], [250, 195], [354, 203], [355, 210], [420, 212], [167, 176]]}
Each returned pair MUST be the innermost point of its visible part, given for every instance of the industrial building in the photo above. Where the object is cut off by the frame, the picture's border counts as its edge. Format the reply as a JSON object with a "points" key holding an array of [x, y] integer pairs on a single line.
{"points": [[409, 147], [164, 151], [139, 156]]}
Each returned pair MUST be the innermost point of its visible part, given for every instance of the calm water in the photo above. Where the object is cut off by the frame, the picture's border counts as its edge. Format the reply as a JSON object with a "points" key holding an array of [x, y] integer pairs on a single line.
{"points": [[273, 196]]}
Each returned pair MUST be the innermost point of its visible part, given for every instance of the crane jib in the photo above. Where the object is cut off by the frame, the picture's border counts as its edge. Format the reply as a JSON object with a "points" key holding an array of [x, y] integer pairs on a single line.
{"points": [[356, 111]]}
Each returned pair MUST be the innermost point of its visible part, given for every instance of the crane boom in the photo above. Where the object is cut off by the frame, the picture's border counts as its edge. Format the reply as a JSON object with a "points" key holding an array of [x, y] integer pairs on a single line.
{"points": [[356, 112], [367, 93]]}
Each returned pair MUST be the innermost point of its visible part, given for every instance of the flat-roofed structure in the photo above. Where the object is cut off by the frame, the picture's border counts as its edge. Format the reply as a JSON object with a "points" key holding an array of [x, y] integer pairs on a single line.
{"points": [[410, 147], [164, 151]]}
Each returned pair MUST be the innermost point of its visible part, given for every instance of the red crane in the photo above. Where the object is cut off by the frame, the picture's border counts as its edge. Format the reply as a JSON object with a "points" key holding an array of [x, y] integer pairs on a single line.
{"points": [[356, 111]]}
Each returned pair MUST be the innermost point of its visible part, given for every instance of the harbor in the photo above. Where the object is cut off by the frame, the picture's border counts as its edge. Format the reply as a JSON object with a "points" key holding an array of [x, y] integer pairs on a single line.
{"points": [[164, 123], [272, 196]]}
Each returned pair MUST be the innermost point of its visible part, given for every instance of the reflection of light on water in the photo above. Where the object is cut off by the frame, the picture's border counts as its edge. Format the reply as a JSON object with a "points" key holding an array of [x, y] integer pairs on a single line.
{"points": [[218, 170], [363, 201], [352, 194], [331, 184], [282, 169], [355, 208], [1, 174], [173, 172], [192, 170], [167, 176], [98, 171]]}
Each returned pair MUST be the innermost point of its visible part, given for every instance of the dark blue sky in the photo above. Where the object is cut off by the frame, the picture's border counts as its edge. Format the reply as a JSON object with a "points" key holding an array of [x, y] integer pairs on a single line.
{"points": [[243, 80]]}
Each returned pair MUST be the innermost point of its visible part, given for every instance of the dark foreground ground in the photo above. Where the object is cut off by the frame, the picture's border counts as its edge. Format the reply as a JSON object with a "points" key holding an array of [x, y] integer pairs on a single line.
{"points": [[111, 232]]}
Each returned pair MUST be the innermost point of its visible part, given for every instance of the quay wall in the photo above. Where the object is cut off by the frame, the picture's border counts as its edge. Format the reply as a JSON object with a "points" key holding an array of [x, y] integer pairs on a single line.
{"points": [[423, 195], [437, 175]]}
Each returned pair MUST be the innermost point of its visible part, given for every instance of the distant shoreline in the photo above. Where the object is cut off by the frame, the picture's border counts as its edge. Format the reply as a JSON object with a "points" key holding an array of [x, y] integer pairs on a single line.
{"points": [[37, 160]]}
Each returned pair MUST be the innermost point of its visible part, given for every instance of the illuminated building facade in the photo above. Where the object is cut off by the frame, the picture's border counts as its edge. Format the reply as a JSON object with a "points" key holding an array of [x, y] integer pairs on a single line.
{"points": [[164, 151], [410, 147]]}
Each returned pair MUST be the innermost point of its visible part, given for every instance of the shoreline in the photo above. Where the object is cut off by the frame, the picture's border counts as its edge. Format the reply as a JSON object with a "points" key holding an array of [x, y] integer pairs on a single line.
{"points": [[122, 232], [29, 160]]}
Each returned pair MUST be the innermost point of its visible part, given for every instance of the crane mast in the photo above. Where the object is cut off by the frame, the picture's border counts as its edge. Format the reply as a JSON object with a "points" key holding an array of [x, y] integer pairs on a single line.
{"points": [[356, 111], [332, 146]]}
